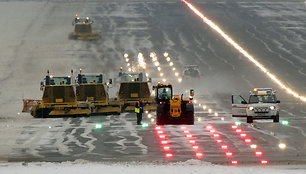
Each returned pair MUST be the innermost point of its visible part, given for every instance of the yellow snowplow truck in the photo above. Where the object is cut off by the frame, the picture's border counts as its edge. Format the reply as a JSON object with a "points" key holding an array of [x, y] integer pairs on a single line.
{"points": [[83, 29], [131, 92], [172, 109], [58, 100], [90, 89]]}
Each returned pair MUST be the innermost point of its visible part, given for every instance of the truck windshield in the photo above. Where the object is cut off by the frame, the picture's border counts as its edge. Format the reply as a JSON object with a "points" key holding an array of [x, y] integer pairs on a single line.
{"points": [[262, 99], [164, 93], [130, 77], [92, 79]]}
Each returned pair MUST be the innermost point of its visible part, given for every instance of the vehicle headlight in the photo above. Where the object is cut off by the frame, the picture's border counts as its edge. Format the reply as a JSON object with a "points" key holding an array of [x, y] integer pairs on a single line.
{"points": [[272, 107], [251, 108]]}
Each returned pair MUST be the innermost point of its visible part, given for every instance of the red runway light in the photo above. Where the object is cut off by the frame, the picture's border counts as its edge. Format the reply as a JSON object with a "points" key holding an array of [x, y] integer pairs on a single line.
{"points": [[263, 162], [219, 141], [164, 142], [229, 154], [234, 162], [169, 155], [162, 136], [258, 153], [224, 146], [212, 131], [192, 141], [234, 126], [208, 127], [189, 136], [186, 131], [216, 135], [157, 128], [238, 130], [248, 140], [199, 154], [195, 147], [166, 147], [160, 132], [243, 135]]}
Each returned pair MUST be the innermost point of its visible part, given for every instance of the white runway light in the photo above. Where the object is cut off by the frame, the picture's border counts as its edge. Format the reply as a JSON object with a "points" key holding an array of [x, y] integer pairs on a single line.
{"points": [[226, 37], [282, 146]]}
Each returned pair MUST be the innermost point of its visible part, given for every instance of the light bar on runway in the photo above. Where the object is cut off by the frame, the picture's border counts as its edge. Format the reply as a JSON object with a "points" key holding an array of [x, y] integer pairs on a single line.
{"points": [[169, 155], [235, 45], [234, 162], [264, 162]]}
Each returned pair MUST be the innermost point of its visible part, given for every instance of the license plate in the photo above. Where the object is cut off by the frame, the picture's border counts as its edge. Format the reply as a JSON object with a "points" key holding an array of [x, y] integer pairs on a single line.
{"points": [[261, 114]]}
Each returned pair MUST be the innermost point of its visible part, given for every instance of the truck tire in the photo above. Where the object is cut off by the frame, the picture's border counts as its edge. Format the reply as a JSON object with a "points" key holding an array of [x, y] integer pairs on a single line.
{"points": [[249, 119], [276, 118]]}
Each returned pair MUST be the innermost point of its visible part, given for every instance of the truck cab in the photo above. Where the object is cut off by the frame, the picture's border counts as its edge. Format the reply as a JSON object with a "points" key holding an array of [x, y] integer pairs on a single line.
{"points": [[262, 104]]}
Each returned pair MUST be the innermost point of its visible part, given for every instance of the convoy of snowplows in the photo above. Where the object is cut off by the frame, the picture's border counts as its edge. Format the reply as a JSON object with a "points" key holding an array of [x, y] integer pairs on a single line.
{"points": [[87, 94]]}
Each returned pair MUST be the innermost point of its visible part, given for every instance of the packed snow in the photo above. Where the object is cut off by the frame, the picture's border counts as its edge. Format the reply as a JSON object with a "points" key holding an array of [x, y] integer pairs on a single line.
{"points": [[190, 167]]}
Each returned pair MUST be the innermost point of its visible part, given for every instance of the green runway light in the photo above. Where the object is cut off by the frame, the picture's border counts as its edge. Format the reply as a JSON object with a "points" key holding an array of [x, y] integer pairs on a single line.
{"points": [[285, 122], [238, 123], [98, 126], [144, 124]]}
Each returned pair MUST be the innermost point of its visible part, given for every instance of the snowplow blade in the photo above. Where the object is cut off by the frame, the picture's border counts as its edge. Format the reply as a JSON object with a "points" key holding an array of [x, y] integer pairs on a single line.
{"points": [[28, 104], [130, 107], [93, 36]]}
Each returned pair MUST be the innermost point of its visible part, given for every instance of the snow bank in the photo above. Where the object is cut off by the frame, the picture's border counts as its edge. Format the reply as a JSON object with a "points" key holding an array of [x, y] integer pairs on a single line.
{"points": [[189, 167]]}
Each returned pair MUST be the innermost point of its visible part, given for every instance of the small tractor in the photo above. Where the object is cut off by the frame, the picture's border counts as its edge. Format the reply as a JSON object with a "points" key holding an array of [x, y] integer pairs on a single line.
{"points": [[172, 109]]}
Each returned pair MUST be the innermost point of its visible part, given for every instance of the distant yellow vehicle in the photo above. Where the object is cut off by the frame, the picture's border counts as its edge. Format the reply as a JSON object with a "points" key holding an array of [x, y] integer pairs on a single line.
{"points": [[91, 89], [58, 100], [83, 29]]}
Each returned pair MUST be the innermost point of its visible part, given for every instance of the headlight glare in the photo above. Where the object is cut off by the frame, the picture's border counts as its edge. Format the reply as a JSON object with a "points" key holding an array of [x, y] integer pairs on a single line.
{"points": [[251, 108]]}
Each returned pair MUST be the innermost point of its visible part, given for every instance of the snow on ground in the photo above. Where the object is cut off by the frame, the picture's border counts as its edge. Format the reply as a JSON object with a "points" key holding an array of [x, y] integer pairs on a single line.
{"points": [[190, 167]]}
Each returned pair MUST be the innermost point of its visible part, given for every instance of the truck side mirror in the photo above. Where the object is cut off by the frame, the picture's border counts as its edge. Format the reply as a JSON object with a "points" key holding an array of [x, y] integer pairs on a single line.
{"points": [[150, 80], [42, 85], [277, 101], [244, 102], [110, 81], [153, 87]]}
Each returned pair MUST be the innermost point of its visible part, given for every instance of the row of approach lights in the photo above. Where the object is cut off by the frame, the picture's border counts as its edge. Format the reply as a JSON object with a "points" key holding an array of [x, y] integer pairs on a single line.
{"points": [[209, 110], [223, 146], [140, 62]]}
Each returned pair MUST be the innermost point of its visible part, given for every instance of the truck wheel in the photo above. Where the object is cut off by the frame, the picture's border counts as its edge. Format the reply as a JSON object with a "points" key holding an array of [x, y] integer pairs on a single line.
{"points": [[276, 118], [249, 119]]}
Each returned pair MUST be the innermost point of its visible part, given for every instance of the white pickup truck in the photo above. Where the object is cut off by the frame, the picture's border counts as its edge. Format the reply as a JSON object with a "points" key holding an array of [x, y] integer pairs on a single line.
{"points": [[262, 105]]}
